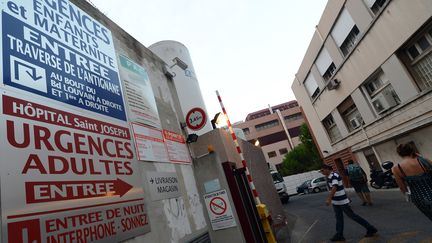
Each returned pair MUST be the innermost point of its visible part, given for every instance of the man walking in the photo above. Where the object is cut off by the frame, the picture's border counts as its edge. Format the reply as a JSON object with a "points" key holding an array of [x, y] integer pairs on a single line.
{"points": [[358, 180], [340, 202]]}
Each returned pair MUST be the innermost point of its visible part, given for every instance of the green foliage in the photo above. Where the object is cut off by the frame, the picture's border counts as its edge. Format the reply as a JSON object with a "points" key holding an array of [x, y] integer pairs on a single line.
{"points": [[304, 157]]}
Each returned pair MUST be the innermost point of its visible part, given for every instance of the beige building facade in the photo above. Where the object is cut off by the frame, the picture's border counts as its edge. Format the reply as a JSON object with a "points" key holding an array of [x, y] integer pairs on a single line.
{"points": [[265, 128], [364, 83]]}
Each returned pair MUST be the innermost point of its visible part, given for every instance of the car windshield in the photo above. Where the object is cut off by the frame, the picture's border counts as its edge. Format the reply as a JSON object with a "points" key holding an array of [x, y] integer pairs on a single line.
{"points": [[306, 183], [277, 177]]}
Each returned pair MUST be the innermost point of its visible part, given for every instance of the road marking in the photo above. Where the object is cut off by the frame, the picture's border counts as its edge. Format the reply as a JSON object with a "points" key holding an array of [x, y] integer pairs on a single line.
{"points": [[403, 236], [375, 238], [429, 240], [307, 231]]}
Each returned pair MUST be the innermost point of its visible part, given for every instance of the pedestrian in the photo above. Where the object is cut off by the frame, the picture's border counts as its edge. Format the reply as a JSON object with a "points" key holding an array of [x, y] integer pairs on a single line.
{"points": [[358, 180], [414, 178], [338, 198]]}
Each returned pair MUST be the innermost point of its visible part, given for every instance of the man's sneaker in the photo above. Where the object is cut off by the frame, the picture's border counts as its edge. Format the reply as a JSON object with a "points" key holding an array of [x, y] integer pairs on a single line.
{"points": [[371, 232], [337, 238]]}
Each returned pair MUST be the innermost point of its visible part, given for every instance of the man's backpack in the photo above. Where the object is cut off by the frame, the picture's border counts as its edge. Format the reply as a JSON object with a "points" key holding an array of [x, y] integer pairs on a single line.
{"points": [[355, 173]]}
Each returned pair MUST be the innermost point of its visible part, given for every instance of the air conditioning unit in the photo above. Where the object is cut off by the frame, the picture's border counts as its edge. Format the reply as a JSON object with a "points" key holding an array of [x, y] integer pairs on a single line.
{"points": [[356, 122], [333, 84], [383, 101]]}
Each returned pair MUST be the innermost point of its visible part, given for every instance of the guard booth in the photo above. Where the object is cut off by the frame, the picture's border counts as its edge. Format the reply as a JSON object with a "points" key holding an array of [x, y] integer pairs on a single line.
{"points": [[221, 180]]}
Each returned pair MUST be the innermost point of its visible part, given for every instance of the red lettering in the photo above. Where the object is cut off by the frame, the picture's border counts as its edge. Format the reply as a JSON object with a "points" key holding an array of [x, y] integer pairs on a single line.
{"points": [[10, 130], [92, 169], [79, 143], [119, 149], [128, 168], [41, 135], [63, 163], [57, 140], [37, 164], [107, 167], [106, 149], [129, 149], [75, 168], [94, 146]]}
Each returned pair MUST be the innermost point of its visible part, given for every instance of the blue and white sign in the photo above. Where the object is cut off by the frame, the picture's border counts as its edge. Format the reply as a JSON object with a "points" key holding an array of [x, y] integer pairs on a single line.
{"points": [[54, 49]]}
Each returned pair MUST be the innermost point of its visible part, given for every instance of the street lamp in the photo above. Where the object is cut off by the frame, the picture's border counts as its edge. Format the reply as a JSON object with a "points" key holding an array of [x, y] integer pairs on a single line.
{"points": [[219, 119]]}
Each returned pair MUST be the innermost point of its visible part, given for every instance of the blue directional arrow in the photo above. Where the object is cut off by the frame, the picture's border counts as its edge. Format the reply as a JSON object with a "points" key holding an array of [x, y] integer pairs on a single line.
{"points": [[32, 72]]}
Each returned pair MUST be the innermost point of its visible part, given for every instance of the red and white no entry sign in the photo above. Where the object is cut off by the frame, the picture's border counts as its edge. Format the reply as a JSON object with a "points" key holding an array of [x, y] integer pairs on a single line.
{"points": [[218, 206], [196, 118]]}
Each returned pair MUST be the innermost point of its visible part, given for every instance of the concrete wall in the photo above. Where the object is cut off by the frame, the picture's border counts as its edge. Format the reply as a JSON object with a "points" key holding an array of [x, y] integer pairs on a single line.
{"points": [[225, 151], [175, 219], [293, 181]]}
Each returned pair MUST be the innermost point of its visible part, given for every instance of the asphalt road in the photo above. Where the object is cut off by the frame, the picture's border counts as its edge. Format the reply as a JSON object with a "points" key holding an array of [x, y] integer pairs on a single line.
{"points": [[397, 221]]}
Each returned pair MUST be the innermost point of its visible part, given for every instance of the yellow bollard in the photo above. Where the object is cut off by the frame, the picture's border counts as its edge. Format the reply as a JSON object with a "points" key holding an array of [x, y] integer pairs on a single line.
{"points": [[263, 213]]}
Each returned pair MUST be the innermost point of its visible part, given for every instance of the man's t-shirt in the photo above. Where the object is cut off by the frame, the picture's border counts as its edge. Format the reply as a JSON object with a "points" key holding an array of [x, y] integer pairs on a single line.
{"points": [[340, 197]]}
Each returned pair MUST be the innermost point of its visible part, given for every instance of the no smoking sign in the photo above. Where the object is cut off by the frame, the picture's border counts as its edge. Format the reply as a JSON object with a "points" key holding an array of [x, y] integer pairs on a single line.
{"points": [[218, 205], [219, 210]]}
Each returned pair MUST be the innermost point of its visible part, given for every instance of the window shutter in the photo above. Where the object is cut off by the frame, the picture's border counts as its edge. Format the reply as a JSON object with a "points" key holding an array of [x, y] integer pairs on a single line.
{"points": [[342, 27], [310, 84], [369, 3], [323, 61]]}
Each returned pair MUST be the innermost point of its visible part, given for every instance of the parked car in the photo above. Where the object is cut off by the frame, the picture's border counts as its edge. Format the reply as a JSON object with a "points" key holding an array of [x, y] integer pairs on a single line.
{"points": [[318, 184], [304, 187], [280, 186]]}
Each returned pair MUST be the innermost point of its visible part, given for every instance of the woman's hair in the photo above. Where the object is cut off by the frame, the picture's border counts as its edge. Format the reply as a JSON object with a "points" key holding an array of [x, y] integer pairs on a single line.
{"points": [[405, 149]]}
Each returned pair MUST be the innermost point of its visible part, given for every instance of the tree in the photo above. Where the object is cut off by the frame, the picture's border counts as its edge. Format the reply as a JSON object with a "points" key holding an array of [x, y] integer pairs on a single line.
{"points": [[304, 157]]}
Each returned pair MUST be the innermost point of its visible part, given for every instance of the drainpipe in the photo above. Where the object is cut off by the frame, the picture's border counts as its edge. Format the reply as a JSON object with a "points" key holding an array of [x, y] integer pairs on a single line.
{"points": [[285, 128]]}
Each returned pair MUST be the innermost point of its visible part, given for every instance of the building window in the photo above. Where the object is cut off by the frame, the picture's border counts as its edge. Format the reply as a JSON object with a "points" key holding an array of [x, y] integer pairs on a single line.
{"points": [[329, 72], [419, 58], [350, 114], [345, 33], [272, 154], [350, 41], [283, 151], [331, 128], [294, 132], [266, 125], [325, 64], [272, 138], [311, 86], [293, 117], [246, 131], [375, 5], [381, 93]]}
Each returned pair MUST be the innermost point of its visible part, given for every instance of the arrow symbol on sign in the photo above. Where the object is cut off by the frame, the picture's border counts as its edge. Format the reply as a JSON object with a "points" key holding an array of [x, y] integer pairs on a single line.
{"points": [[121, 187], [47, 191], [32, 72]]}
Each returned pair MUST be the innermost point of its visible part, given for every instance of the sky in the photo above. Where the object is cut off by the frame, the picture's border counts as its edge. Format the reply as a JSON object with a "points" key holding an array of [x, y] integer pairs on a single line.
{"points": [[248, 50]]}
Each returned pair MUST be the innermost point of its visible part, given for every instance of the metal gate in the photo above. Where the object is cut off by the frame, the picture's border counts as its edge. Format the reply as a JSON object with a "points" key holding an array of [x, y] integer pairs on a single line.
{"points": [[244, 203]]}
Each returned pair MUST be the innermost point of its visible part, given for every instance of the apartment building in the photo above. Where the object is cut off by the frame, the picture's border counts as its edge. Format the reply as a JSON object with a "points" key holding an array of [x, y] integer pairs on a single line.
{"points": [[365, 81], [275, 129]]}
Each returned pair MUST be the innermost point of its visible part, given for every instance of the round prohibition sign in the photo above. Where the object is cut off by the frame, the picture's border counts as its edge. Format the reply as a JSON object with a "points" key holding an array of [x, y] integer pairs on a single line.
{"points": [[196, 118], [218, 206]]}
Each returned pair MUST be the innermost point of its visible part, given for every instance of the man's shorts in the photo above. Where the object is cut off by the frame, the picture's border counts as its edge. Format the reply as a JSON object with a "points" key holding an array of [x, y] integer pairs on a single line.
{"points": [[360, 186]]}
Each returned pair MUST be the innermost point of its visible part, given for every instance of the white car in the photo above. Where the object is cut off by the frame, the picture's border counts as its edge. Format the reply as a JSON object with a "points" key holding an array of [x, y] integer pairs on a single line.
{"points": [[318, 184], [280, 186]]}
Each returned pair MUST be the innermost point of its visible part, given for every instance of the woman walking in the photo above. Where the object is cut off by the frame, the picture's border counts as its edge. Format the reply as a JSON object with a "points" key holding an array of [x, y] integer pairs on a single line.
{"points": [[415, 173]]}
